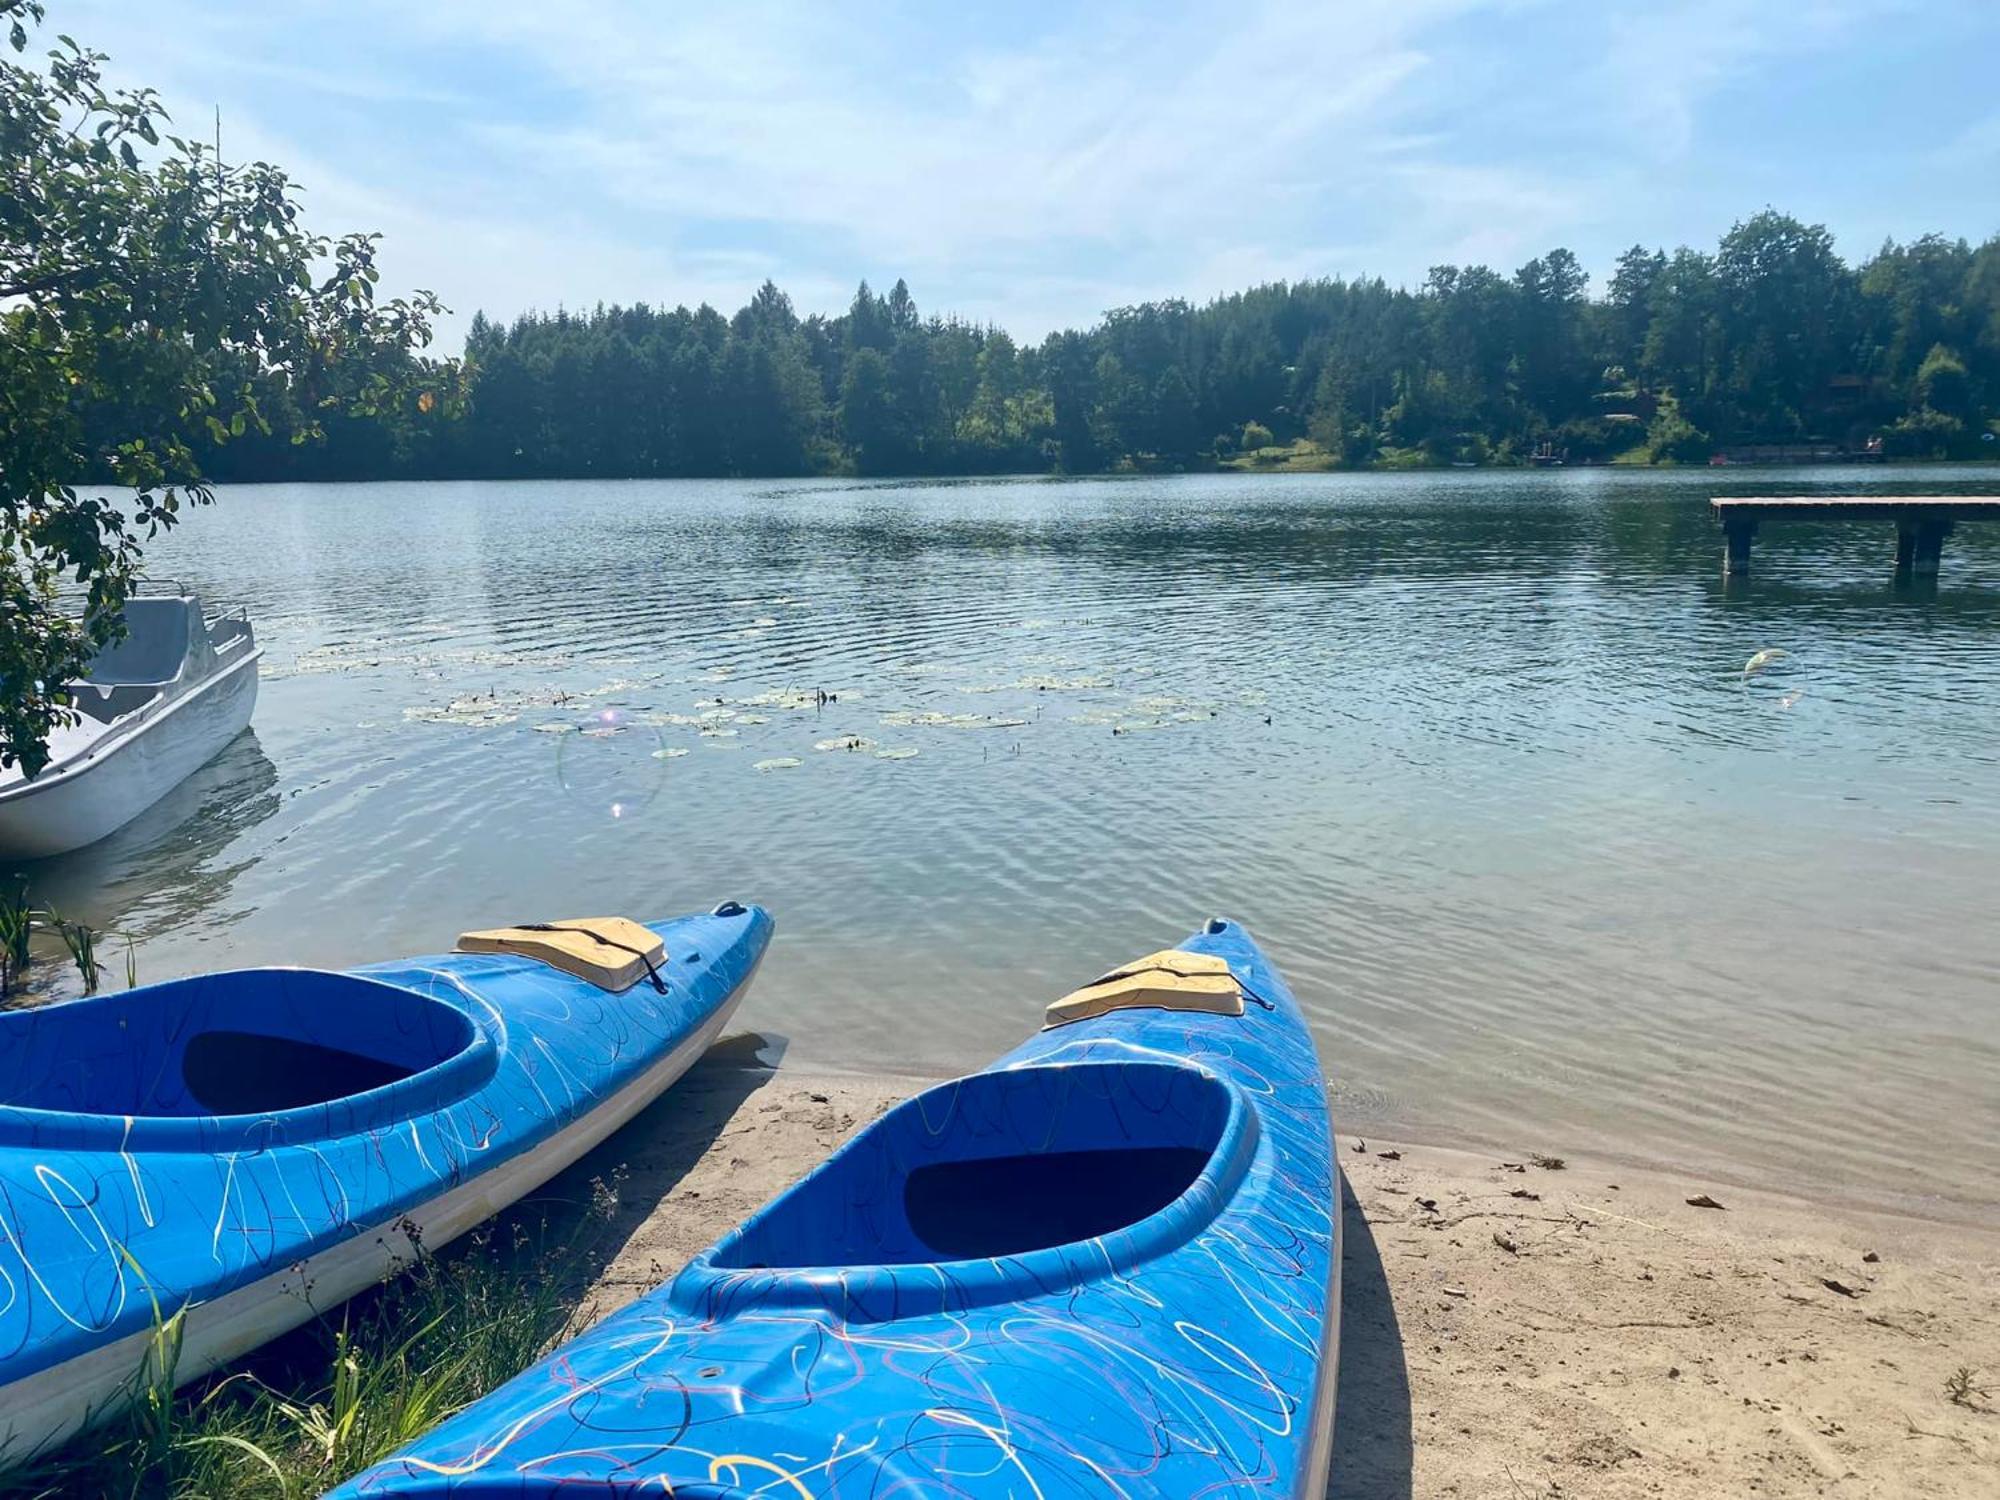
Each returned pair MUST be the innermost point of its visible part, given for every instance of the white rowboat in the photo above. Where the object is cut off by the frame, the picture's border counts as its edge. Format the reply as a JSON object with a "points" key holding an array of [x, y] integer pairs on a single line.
{"points": [[153, 708]]}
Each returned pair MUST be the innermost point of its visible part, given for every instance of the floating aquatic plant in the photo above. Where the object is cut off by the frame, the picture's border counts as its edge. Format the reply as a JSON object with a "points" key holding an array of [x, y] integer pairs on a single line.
{"points": [[780, 698], [463, 713], [1042, 684], [903, 718]]}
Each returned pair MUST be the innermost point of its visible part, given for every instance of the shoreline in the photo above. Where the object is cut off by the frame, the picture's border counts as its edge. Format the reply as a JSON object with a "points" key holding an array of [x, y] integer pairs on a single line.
{"points": [[1276, 467], [743, 1050], [1954, 1217], [1512, 1331]]}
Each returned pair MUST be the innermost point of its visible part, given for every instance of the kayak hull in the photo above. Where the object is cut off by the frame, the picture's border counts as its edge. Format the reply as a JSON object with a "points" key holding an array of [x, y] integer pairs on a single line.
{"points": [[1108, 1264], [251, 1242]]}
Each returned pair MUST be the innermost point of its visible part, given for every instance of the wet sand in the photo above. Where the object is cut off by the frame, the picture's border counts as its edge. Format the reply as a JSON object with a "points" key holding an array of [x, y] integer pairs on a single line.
{"points": [[1539, 1332]]}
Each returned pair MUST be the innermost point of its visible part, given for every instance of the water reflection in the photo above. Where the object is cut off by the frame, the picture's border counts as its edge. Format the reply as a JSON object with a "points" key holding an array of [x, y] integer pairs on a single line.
{"points": [[174, 865]]}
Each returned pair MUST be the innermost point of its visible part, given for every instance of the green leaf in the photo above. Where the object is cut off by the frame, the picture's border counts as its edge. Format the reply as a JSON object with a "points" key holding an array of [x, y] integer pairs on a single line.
{"points": [[245, 1446]]}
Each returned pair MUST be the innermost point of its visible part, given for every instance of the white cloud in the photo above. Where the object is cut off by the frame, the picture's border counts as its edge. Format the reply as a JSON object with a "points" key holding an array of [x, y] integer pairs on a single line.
{"points": [[1663, 62], [1138, 147], [1032, 168]]}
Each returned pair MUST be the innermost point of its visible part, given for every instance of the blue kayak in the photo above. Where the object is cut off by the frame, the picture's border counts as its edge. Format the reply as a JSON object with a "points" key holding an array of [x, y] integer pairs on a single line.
{"points": [[1107, 1265], [257, 1146]]}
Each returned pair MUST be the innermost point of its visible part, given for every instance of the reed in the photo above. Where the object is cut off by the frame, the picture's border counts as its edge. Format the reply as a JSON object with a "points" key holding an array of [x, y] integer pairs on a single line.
{"points": [[80, 939], [17, 926]]}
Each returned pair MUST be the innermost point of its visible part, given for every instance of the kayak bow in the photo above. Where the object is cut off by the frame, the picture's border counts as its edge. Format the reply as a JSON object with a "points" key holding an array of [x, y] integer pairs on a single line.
{"points": [[1107, 1265]]}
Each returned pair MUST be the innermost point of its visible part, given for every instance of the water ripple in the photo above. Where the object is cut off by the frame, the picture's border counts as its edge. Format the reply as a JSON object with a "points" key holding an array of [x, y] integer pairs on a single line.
{"points": [[1475, 754]]}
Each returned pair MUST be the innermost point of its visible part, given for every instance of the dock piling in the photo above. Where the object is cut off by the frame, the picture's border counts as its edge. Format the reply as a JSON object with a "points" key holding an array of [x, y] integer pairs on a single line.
{"points": [[1920, 545], [1737, 532]]}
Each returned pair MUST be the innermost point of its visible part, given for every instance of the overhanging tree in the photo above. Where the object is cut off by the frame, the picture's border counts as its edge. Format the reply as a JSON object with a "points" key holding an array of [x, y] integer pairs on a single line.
{"points": [[154, 303]]}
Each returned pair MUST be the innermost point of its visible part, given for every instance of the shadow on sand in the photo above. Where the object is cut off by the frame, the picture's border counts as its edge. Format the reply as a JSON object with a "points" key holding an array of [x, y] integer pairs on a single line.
{"points": [[654, 1151], [1371, 1430]]}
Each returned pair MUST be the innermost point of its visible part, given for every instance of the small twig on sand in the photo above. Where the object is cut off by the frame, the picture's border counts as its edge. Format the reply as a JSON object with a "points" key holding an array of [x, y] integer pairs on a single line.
{"points": [[1881, 1322], [1622, 1218], [1947, 1437]]}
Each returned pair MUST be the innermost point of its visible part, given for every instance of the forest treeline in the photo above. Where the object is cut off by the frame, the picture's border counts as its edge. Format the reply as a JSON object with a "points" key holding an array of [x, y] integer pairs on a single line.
{"points": [[1770, 339]]}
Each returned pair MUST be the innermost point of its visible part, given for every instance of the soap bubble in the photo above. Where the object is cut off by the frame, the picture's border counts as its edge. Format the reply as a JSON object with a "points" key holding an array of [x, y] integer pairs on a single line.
{"points": [[610, 763]]}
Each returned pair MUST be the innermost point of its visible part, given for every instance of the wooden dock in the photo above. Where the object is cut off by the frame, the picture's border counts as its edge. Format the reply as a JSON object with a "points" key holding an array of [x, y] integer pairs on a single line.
{"points": [[1922, 522]]}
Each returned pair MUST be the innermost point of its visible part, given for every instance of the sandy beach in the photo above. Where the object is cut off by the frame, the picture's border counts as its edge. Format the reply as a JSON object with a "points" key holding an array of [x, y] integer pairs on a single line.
{"points": [[1509, 1329]]}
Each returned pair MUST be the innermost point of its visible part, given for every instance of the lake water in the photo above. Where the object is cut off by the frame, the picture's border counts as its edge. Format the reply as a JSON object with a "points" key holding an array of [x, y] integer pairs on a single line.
{"points": [[1474, 754]]}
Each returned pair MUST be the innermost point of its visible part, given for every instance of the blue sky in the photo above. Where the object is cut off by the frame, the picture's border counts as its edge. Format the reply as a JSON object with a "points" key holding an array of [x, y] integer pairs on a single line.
{"points": [[1034, 163]]}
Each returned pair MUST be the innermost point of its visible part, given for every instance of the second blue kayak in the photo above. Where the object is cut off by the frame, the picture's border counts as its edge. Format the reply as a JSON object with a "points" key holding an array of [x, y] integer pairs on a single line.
{"points": [[1107, 1265]]}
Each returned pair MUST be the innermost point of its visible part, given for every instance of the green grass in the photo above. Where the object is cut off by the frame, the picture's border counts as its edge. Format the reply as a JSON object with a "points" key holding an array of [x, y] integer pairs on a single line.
{"points": [[352, 1385], [1301, 457], [1404, 458]]}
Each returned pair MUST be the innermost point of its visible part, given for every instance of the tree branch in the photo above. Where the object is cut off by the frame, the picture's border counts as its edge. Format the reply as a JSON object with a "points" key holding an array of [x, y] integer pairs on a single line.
{"points": [[83, 276]]}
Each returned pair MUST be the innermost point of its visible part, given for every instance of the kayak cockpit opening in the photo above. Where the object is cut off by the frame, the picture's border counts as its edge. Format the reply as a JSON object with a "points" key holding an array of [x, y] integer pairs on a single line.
{"points": [[1003, 1205], [310, 1050], [246, 1073], [1007, 1163]]}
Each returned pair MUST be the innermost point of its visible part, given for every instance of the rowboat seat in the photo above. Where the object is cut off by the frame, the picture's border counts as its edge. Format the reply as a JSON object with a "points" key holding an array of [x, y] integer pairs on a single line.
{"points": [[154, 648], [107, 705]]}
